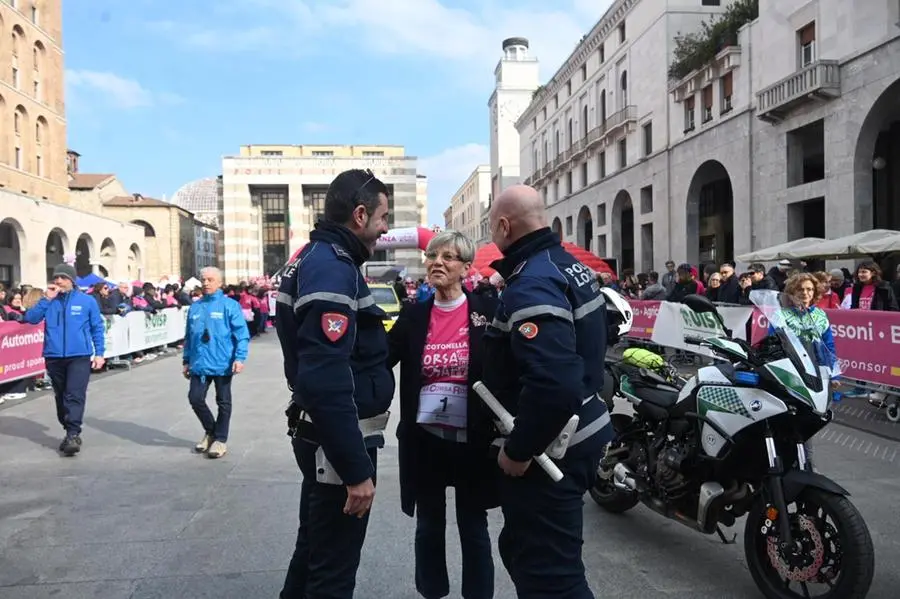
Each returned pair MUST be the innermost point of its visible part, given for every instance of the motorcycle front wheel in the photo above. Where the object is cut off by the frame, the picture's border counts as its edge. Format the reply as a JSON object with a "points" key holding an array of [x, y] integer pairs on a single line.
{"points": [[835, 557]]}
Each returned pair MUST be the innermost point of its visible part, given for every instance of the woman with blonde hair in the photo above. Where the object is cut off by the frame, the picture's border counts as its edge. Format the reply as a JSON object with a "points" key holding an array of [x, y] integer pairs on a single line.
{"points": [[809, 322], [444, 432], [31, 298]]}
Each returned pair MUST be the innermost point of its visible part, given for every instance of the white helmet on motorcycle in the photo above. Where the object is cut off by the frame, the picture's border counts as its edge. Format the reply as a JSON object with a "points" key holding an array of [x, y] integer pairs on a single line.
{"points": [[618, 312]]}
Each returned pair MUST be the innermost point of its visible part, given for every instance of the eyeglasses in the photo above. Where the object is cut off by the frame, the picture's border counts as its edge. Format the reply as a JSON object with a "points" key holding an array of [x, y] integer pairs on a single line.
{"points": [[445, 256]]}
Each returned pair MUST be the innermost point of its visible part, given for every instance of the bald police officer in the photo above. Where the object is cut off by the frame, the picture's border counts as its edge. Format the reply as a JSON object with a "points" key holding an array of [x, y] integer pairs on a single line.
{"points": [[545, 351], [335, 349]]}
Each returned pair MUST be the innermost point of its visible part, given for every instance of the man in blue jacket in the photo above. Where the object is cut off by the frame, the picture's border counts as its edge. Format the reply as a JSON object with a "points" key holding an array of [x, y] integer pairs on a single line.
{"points": [[546, 348], [74, 340], [335, 352], [216, 340]]}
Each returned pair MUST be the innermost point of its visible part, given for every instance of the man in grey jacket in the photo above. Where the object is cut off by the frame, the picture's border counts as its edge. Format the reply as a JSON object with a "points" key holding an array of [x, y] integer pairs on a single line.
{"points": [[669, 279], [655, 290]]}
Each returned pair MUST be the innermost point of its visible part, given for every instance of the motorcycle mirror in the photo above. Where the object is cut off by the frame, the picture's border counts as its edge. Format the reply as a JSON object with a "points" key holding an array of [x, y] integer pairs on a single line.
{"points": [[702, 305], [699, 303]]}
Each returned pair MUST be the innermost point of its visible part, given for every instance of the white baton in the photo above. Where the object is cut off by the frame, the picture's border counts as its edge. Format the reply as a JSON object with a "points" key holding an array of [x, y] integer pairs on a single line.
{"points": [[506, 426]]}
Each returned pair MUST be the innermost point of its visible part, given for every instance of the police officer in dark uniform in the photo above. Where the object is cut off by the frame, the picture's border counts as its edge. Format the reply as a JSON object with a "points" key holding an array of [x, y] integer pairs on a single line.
{"points": [[544, 356], [335, 348]]}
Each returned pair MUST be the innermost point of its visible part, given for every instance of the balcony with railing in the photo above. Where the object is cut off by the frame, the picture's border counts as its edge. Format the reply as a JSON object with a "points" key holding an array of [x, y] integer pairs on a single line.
{"points": [[620, 120], [820, 80]]}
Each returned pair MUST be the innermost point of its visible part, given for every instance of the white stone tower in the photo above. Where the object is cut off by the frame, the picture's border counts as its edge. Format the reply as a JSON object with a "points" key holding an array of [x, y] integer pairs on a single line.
{"points": [[516, 79]]}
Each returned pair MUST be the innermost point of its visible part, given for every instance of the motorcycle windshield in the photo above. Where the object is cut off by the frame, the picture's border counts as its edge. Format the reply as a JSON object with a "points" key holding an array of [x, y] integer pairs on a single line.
{"points": [[802, 344]]}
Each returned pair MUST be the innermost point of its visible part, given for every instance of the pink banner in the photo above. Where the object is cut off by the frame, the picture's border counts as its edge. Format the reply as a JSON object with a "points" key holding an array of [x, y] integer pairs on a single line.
{"points": [[21, 346], [867, 343], [644, 317]]}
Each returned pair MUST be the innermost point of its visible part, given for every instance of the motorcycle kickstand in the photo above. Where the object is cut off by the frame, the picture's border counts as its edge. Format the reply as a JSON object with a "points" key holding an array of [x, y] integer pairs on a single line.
{"points": [[725, 539]]}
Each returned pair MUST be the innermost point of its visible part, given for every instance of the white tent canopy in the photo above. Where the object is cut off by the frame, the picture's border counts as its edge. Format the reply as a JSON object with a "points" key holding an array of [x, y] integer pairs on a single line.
{"points": [[783, 251], [858, 245]]}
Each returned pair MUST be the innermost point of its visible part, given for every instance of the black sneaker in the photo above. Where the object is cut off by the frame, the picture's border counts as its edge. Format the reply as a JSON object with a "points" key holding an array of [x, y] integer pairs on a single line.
{"points": [[71, 446]]}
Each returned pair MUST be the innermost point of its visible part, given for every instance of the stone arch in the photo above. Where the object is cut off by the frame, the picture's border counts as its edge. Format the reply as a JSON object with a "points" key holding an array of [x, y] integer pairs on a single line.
{"points": [[41, 145], [877, 164], [149, 231], [135, 262], [55, 249], [622, 230], [38, 54], [585, 228], [21, 134], [557, 227], [108, 255], [12, 246], [84, 253], [17, 38], [5, 142], [710, 215]]}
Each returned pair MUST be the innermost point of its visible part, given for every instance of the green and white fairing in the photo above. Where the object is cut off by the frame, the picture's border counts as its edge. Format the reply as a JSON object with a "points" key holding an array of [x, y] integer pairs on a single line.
{"points": [[733, 407], [807, 370]]}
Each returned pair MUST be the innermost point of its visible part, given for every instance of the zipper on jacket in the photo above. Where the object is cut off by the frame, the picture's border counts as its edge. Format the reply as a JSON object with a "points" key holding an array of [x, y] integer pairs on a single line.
{"points": [[65, 304]]}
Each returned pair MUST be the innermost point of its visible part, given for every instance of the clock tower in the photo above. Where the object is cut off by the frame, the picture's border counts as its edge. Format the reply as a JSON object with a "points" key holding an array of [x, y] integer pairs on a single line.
{"points": [[516, 78]]}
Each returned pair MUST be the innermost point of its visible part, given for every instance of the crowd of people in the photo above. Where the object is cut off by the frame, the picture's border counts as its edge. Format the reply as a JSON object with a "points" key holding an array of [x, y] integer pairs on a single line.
{"points": [[865, 289], [118, 298]]}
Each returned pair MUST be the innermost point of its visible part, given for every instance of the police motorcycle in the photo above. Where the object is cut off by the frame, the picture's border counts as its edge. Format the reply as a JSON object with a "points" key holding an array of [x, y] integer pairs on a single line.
{"points": [[729, 443]]}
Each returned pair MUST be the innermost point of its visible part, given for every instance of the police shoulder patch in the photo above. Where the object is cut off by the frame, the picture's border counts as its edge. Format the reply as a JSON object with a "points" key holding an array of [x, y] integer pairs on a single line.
{"points": [[334, 325], [529, 330]]}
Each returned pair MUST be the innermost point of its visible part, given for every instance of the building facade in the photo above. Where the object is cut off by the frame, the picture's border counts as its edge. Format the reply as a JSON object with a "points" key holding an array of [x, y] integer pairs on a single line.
{"points": [[422, 199], [206, 239], [273, 195], [769, 141], [38, 226], [469, 203], [516, 77]]}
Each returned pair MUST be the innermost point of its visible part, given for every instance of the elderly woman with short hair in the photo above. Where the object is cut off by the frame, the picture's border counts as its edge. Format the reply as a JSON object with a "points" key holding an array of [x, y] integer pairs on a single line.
{"points": [[444, 432]]}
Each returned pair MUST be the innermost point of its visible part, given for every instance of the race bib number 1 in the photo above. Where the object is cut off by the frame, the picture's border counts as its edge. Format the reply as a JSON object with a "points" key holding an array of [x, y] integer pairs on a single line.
{"points": [[443, 404]]}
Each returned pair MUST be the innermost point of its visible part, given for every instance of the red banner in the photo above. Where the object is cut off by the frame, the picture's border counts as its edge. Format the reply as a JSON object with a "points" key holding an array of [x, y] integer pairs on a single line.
{"points": [[867, 343], [643, 318], [21, 349]]}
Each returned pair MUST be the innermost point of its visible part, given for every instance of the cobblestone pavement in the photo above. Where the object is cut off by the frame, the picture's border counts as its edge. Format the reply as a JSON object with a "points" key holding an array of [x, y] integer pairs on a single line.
{"points": [[138, 515]]}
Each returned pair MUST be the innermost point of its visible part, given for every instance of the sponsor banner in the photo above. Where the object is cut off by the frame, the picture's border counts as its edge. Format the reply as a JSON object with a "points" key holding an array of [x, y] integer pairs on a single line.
{"points": [[867, 343], [116, 336], [643, 318], [148, 330], [22, 345], [21, 348], [676, 322]]}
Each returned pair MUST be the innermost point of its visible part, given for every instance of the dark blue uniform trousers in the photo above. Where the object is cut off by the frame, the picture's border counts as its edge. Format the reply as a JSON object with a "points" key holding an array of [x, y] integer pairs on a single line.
{"points": [[541, 540], [329, 542], [69, 377]]}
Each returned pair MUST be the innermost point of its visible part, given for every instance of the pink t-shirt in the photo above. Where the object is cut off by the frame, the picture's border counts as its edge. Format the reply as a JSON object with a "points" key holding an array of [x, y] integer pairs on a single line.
{"points": [[445, 366], [865, 297]]}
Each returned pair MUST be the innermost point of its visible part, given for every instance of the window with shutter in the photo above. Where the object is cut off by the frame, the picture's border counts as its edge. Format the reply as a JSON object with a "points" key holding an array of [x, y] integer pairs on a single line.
{"points": [[807, 39], [707, 103], [689, 114], [727, 82]]}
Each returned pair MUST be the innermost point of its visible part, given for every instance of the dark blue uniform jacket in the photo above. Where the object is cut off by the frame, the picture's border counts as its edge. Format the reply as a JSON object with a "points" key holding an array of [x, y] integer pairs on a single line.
{"points": [[545, 348], [335, 346]]}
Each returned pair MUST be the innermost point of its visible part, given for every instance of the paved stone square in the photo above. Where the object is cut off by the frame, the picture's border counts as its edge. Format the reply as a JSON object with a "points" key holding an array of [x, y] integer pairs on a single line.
{"points": [[138, 516]]}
